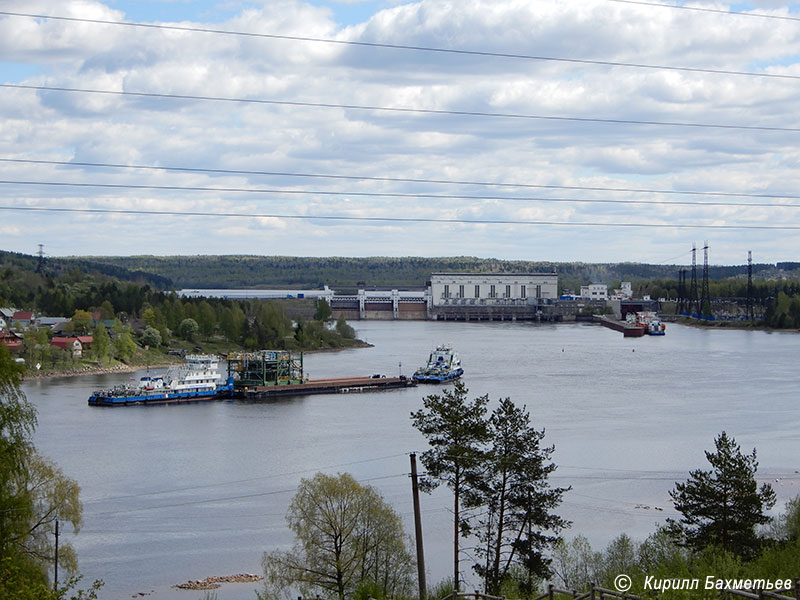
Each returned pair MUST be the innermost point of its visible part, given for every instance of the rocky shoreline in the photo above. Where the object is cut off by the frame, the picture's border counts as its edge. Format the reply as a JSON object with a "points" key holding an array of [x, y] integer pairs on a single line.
{"points": [[213, 582], [97, 371]]}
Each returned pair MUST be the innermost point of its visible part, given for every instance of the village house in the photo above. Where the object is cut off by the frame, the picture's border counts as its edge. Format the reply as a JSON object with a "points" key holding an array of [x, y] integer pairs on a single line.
{"points": [[11, 340], [70, 344], [21, 319]]}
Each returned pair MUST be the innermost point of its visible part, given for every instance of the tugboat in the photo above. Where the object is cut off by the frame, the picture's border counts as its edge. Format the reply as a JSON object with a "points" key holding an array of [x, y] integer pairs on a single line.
{"points": [[196, 379], [651, 323], [443, 365]]}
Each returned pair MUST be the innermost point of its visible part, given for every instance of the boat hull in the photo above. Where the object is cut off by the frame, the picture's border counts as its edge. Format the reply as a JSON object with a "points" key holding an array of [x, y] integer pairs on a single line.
{"points": [[162, 396], [426, 378]]}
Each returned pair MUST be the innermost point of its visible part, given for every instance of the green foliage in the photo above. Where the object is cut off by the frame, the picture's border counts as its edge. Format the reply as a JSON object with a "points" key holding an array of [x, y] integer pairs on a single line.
{"points": [[345, 330], [323, 312], [442, 589], [575, 564], [723, 506], [151, 337], [34, 493], [80, 322], [101, 345], [124, 348], [513, 490], [189, 330], [347, 538]]}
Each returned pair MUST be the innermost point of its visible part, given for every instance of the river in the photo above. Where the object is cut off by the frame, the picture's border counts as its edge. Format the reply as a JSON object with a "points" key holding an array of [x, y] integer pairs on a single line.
{"points": [[173, 493]]}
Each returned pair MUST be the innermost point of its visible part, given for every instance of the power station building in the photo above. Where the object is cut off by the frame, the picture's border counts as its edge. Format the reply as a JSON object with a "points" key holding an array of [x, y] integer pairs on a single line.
{"points": [[491, 295]]}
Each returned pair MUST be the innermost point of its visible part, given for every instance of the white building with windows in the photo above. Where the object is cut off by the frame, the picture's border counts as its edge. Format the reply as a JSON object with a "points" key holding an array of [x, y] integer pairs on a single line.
{"points": [[594, 291], [447, 289]]}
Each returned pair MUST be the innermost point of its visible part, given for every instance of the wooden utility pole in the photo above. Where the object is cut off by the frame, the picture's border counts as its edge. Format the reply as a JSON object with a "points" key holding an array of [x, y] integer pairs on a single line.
{"points": [[423, 592], [55, 573]]}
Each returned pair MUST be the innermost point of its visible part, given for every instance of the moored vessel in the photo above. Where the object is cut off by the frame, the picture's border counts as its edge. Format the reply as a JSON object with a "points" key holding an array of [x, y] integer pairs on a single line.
{"points": [[443, 365], [196, 379]]}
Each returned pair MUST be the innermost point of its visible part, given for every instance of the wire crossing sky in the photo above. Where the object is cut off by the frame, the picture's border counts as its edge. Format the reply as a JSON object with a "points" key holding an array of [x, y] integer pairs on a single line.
{"points": [[375, 129]]}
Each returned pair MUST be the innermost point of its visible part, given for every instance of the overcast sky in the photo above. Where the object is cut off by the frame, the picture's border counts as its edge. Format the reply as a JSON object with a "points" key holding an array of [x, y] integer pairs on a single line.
{"points": [[643, 101]]}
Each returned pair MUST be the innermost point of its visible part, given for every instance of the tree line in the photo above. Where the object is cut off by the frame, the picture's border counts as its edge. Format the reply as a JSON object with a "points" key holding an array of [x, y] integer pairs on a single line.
{"points": [[34, 495], [350, 543], [136, 314]]}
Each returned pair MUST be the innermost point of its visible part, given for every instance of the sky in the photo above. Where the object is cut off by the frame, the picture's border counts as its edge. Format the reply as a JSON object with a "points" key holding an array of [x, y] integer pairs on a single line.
{"points": [[555, 130]]}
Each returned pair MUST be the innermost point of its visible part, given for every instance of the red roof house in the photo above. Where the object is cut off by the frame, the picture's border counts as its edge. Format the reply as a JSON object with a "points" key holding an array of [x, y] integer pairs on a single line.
{"points": [[70, 344], [22, 318], [11, 340]]}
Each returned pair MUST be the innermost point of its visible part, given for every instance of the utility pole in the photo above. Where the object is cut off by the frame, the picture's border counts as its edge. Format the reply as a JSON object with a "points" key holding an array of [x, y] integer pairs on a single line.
{"points": [[694, 303], [750, 312], [706, 303], [423, 592], [55, 574]]}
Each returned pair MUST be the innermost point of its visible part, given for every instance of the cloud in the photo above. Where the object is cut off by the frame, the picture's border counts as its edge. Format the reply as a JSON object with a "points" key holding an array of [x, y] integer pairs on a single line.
{"points": [[572, 149]]}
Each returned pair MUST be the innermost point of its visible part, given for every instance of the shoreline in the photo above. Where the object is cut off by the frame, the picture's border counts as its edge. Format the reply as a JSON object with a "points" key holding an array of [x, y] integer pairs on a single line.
{"points": [[123, 368]]}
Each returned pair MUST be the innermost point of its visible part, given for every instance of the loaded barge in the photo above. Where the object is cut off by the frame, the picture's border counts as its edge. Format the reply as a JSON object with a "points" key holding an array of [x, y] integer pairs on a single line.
{"points": [[251, 376]]}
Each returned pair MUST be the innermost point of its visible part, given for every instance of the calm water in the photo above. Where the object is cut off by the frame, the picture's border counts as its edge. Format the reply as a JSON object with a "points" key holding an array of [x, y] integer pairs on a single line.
{"points": [[184, 492]]}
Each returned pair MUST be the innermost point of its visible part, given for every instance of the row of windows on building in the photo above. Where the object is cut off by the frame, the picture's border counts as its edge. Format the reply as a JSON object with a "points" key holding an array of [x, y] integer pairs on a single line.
{"points": [[523, 291]]}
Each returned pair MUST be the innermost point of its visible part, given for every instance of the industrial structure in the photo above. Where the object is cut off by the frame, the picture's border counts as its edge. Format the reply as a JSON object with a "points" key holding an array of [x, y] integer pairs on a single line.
{"points": [[493, 296]]}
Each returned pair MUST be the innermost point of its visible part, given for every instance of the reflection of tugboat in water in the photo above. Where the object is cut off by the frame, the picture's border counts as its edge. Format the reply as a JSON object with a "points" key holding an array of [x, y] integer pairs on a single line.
{"points": [[443, 365]]}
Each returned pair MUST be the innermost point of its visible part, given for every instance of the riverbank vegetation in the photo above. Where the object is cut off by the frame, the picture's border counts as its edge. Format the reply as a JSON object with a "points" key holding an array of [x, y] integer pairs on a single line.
{"points": [[128, 323], [35, 496]]}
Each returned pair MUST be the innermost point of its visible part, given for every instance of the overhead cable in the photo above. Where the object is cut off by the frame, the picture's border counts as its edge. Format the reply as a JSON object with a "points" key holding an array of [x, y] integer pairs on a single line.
{"points": [[709, 10], [414, 195], [391, 219], [399, 179], [403, 110], [605, 63]]}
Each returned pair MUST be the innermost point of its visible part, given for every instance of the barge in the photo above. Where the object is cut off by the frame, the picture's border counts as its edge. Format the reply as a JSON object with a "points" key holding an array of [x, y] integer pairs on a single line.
{"points": [[251, 376], [340, 385]]}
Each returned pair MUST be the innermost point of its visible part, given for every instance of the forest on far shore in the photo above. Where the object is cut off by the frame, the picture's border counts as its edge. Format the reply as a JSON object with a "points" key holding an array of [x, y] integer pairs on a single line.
{"points": [[346, 273]]}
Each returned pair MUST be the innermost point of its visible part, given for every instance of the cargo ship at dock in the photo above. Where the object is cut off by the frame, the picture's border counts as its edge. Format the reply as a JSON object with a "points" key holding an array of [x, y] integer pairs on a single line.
{"points": [[196, 379]]}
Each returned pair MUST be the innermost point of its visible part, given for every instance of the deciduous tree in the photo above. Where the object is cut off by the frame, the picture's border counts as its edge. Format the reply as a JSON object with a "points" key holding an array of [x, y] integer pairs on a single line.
{"points": [[346, 535]]}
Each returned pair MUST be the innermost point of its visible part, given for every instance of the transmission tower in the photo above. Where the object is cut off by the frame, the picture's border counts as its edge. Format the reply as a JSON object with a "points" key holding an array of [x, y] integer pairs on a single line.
{"points": [[706, 301], [40, 266], [693, 300], [682, 291], [750, 308]]}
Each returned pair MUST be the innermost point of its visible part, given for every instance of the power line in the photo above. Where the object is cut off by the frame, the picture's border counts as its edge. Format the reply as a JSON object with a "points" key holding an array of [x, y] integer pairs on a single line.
{"points": [[393, 219], [709, 10], [400, 179], [228, 498], [402, 110], [604, 63], [248, 480], [407, 195]]}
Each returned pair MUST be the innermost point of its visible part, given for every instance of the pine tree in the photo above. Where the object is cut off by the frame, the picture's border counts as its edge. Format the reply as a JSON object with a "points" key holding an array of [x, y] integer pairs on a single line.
{"points": [[519, 524], [723, 506], [456, 430]]}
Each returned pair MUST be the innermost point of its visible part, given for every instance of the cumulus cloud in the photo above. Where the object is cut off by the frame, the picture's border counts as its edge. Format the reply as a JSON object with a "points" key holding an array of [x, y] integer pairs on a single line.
{"points": [[566, 122]]}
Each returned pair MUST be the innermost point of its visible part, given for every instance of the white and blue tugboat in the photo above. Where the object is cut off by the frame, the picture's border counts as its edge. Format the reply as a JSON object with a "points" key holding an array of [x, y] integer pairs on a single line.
{"points": [[443, 365], [196, 379]]}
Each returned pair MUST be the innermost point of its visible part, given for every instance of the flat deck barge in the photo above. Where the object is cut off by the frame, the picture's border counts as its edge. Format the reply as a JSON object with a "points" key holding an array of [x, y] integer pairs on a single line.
{"points": [[340, 385], [627, 329]]}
